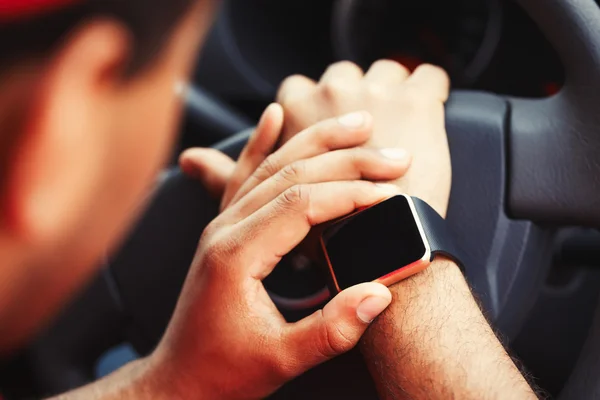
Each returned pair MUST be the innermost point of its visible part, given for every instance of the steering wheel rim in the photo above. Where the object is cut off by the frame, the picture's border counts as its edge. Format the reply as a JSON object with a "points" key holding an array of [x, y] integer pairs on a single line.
{"points": [[510, 142]]}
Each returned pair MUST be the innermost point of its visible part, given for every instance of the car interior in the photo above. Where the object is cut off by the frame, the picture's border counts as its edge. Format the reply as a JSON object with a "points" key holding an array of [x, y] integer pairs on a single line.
{"points": [[524, 135]]}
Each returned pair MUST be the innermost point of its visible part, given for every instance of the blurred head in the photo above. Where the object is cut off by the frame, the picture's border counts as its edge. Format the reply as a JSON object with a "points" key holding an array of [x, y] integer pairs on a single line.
{"points": [[88, 116]]}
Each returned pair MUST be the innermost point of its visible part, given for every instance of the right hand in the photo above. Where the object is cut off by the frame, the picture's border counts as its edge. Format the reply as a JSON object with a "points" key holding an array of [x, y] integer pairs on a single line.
{"points": [[226, 339]]}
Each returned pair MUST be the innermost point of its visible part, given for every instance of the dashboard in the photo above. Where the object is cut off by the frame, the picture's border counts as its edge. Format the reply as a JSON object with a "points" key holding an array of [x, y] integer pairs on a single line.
{"points": [[489, 45]]}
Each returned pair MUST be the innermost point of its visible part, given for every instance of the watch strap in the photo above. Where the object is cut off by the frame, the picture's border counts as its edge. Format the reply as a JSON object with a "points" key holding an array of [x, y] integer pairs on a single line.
{"points": [[438, 233]]}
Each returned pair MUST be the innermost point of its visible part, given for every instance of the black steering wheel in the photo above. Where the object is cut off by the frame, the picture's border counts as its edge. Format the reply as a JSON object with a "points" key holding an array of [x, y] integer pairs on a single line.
{"points": [[521, 167]]}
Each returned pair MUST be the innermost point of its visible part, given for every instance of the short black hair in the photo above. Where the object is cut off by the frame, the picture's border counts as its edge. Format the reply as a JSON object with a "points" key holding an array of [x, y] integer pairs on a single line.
{"points": [[149, 21]]}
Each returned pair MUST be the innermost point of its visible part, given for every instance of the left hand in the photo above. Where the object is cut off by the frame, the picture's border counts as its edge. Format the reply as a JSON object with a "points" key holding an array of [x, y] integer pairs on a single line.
{"points": [[408, 112]]}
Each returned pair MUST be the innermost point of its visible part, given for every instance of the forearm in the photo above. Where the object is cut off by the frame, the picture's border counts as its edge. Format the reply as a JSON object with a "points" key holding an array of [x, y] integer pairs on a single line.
{"points": [[136, 380], [433, 342]]}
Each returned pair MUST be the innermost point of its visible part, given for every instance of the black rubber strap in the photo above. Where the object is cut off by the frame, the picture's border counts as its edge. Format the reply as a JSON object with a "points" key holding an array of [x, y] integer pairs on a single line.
{"points": [[438, 233]]}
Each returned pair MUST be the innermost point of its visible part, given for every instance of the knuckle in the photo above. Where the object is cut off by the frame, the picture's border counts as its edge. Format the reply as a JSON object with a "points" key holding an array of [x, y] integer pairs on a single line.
{"points": [[335, 341], [390, 65], [289, 103], [433, 70], [214, 253], [295, 197], [217, 244], [219, 254], [296, 200], [385, 63], [269, 167], [346, 66], [337, 88], [379, 91], [291, 81], [210, 231], [293, 172]]}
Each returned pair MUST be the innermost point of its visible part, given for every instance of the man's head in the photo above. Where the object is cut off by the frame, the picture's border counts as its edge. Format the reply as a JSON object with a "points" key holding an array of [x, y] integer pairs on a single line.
{"points": [[88, 114]]}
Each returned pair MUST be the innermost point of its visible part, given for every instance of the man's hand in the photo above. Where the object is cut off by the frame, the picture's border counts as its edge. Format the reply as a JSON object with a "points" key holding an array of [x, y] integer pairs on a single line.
{"points": [[227, 340], [407, 109], [433, 341]]}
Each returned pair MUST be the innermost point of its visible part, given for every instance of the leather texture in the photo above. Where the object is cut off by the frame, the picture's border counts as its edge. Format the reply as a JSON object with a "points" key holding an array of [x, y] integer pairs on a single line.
{"points": [[508, 259], [440, 236], [554, 143]]}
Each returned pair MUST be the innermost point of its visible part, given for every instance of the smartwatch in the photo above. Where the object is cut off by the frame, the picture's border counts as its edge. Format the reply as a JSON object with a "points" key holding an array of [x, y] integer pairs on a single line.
{"points": [[387, 242]]}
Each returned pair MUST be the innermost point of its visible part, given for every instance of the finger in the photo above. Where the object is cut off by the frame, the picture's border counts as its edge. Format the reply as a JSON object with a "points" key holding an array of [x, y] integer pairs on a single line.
{"points": [[343, 71], [336, 329], [341, 165], [210, 166], [431, 79], [295, 87], [283, 223], [347, 131], [387, 72], [260, 145]]}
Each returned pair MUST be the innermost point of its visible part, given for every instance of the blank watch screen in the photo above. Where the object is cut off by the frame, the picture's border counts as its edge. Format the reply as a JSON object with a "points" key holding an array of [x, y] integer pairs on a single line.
{"points": [[374, 242]]}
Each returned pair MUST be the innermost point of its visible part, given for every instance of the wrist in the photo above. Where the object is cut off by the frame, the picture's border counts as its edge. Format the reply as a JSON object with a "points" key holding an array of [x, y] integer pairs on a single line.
{"points": [[167, 378], [435, 291], [148, 380], [425, 284], [435, 329], [431, 292], [422, 305], [436, 197]]}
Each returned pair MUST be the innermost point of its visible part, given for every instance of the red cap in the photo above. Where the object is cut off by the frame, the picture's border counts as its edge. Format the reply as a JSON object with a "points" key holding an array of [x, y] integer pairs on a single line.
{"points": [[11, 10]]}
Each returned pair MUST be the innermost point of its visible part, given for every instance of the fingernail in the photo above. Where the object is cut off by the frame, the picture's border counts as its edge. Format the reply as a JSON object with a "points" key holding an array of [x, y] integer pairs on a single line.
{"points": [[353, 120], [394, 153], [371, 307]]}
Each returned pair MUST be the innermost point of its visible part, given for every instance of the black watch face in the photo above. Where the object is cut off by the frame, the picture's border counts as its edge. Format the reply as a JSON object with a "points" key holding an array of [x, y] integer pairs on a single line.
{"points": [[374, 243]]}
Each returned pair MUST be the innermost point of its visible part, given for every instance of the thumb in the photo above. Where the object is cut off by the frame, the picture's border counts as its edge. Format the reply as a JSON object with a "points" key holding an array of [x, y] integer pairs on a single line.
{"points": [[210, 166], [338, 327]]}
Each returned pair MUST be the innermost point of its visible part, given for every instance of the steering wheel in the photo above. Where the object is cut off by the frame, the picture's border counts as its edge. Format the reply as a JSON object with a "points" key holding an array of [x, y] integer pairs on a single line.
{"points": [[521, 167]]}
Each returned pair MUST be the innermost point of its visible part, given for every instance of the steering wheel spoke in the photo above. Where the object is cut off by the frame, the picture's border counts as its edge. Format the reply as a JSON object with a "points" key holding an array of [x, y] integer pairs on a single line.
{"points": [[505, 254], [554, 143]]}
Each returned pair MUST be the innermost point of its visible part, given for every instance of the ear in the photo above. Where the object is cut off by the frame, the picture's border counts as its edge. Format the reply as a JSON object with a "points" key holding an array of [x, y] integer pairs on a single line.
{"points": [[56, 163]]}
